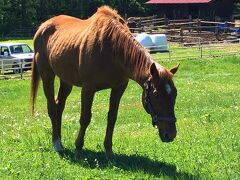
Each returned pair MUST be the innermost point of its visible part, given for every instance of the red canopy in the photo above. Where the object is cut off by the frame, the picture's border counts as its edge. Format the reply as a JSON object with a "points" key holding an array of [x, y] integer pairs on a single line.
{"points": [[177, 1]]}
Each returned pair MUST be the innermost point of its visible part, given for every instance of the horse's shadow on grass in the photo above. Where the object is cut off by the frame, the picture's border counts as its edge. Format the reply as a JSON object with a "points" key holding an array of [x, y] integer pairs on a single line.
{"points": [[135, 163]]}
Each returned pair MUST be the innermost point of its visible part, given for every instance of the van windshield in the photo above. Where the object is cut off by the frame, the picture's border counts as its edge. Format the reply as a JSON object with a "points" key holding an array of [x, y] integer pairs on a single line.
{"points": [[20, 49]]}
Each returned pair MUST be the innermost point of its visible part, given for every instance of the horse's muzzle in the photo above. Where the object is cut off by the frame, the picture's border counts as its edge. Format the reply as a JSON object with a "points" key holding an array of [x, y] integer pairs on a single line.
{"points": [[165, 137]]}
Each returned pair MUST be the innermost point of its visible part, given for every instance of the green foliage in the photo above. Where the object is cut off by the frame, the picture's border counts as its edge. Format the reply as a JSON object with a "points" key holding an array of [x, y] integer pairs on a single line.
{"points": [[207, 145], [15, 14], [18, 14], [237, 7], [130, 7]]}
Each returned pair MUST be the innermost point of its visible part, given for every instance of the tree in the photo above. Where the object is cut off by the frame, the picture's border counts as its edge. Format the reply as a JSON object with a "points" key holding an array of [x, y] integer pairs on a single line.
{"points": [[237, 7]]}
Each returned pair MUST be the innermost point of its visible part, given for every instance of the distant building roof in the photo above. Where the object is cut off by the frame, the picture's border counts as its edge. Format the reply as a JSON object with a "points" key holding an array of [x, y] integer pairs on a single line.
{"points": [[177, 1]]}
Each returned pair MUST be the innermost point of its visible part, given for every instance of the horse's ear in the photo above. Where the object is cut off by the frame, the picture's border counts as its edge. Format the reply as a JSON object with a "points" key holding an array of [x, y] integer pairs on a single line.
{"points": [[153, 70], [174, 69]]}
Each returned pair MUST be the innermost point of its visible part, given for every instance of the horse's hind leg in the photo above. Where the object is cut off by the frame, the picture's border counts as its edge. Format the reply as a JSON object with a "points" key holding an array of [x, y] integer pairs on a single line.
{"points": [[64, 90], [86, 114], [55, 108], [48, 87], [115, 98]]}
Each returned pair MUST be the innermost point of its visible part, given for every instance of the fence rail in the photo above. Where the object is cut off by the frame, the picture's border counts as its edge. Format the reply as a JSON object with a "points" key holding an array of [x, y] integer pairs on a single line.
{"points": [[178, 52], [14, 68], [175, 52], [216, 31]]}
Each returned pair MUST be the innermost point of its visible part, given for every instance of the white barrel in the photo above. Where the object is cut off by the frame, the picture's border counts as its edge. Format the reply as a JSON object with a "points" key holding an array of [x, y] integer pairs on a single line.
{"points": [[144, 39], [159, 41]]}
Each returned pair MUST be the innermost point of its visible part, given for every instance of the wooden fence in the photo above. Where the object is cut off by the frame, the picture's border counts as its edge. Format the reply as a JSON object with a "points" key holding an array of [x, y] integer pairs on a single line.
{"points": [[176, 52], [184, 29], [179, 52]]}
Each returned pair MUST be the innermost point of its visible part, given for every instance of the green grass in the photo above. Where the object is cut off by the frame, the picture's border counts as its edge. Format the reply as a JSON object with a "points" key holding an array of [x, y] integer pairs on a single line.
{"points": [[27, 40], [180, 52], [207, 145]]}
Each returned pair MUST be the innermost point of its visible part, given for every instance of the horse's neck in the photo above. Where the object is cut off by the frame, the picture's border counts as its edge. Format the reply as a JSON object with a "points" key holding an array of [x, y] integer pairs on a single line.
{"points": [[141, 73], [133, 57], [138, 67]]}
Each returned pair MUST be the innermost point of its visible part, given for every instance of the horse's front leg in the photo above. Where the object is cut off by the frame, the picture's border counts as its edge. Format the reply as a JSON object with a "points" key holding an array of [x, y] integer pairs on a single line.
{"points": [[115, 98], [86, 114]]}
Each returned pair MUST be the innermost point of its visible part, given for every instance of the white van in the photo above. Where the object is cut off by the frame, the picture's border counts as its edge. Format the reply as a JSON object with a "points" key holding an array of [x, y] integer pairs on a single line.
{"points": [[16, 57]]}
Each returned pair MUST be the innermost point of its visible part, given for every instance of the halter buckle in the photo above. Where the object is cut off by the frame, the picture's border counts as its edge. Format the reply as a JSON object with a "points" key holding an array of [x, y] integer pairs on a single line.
{"points": [[154, 120]]}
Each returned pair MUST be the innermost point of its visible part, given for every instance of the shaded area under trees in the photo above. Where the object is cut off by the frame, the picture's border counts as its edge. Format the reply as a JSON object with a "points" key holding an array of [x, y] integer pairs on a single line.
{"points": [[24, 14]]}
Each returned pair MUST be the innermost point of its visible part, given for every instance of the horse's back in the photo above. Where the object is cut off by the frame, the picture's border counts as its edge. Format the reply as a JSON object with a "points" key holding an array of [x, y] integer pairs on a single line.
{"points": [[71, 48], [55, 42]]}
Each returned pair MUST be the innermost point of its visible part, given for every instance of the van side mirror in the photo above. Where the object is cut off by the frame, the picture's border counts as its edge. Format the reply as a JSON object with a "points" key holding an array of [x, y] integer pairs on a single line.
{"points": [[6, 53]]}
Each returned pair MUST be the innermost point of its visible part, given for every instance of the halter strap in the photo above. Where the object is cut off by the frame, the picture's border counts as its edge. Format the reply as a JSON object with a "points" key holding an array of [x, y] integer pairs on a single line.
{"points": [[155, 117]]}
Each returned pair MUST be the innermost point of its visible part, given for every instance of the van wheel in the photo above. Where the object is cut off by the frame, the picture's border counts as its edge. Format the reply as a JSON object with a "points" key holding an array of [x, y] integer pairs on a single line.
{"points": [[16, 69]]}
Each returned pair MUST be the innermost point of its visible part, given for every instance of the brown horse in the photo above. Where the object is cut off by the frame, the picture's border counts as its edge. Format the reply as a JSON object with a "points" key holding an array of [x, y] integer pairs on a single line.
{"points": [[96, 54]]}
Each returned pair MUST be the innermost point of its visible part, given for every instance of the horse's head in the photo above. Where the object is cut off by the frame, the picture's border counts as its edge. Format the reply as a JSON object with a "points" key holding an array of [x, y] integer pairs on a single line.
{"points": [[158, 99]]}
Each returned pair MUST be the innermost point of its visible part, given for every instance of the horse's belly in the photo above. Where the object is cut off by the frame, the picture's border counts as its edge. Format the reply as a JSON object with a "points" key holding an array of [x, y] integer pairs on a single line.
{"points": [[70, 78], [67, 71], [98, 73], [105, 80]]}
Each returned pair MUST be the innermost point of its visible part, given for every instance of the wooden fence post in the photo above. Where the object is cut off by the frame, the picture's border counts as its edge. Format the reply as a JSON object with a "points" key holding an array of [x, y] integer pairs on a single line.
{"points": [[198, 26], [181, 34], [225, 26], [140, 25], [154, 22], [169, 51], [2, 71], [190, 23], [165, 20], [21, 69], [200, 47]]}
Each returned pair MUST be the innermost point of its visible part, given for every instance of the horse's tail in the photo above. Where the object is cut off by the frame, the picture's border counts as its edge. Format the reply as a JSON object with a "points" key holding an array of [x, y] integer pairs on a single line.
{"points": [[34, 83]]}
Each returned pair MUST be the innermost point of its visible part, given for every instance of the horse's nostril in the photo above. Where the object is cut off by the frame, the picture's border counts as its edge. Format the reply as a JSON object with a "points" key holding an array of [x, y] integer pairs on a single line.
{"points": [[167, 137]]}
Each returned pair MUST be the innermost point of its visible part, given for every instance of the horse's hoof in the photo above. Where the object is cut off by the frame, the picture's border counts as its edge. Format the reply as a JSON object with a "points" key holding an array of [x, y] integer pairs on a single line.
{"points": [[109, 155], [58, 146], [78, 153]]}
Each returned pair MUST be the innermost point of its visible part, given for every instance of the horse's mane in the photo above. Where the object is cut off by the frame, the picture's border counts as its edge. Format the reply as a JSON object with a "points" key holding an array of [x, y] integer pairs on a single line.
{"points": [[104, 27], [106, 10], [112, 28], [135, 56]]}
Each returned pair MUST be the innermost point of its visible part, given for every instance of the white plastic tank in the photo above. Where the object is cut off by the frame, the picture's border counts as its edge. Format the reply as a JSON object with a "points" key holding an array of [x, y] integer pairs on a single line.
{"points": [[159, 41], [144, 39], [154, 42]]}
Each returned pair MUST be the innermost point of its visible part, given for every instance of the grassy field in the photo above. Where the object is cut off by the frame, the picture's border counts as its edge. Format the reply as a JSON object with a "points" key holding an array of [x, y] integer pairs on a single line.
{"points": [[207, 145], [204, 51], [27, 40]]}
